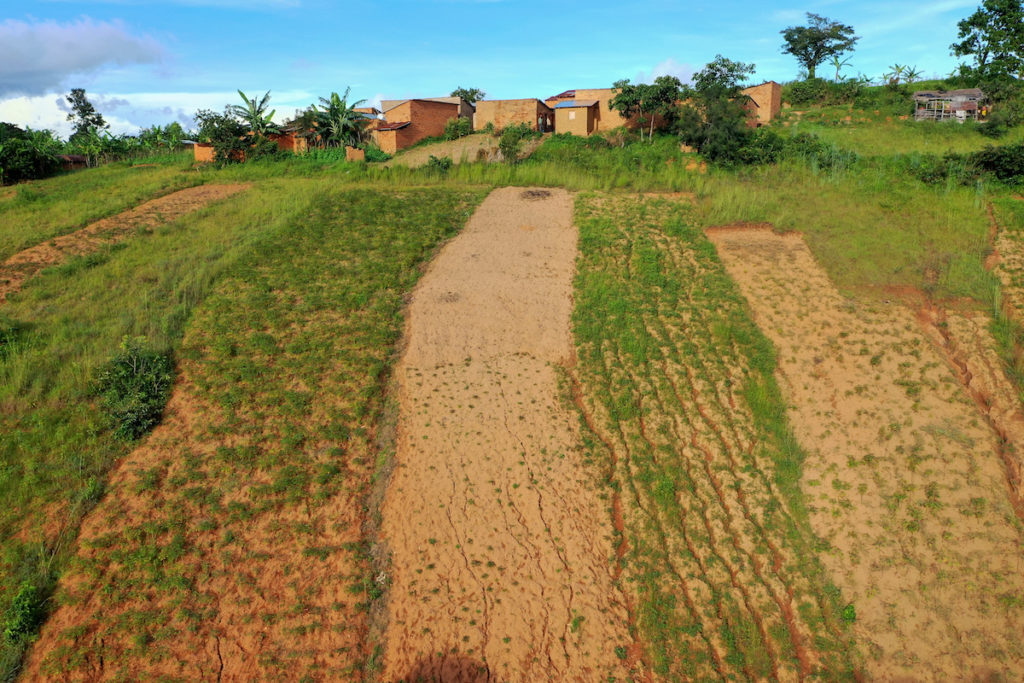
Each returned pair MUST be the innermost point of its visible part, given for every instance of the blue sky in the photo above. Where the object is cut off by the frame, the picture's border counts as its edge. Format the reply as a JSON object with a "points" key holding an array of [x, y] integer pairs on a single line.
{"points": [[143, 63]]}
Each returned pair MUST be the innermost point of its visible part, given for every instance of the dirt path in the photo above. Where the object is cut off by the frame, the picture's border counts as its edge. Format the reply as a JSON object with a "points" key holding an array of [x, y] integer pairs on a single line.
{"points": [[500, 552], [904, 479], [23, 265]]}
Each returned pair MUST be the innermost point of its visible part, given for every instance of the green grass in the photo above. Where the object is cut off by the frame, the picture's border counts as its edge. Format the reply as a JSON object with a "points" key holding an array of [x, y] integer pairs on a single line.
{"points": [[869, 227], [680, 397], [32, 213], [58, 447], [286, 355]]}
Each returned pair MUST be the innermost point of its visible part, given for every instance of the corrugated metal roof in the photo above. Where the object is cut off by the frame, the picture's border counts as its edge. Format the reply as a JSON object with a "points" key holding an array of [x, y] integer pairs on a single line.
{"points": [[943, 94], [563, 95], [575, 103], [393, 126]]}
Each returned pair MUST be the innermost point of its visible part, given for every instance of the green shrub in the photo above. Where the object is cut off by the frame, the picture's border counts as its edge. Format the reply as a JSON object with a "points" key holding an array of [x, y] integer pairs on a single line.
{"points": [[1006, 163], [440, 165], [511, 142], [375, 153], [134, 387], [25, 613], [26, 156], [457, 128], [810, 91]]}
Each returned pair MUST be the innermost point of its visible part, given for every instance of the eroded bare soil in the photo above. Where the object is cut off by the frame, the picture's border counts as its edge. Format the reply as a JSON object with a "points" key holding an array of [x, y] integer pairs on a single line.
{"points": [[904, 474], [23, 265], [470, 148], [500, 548]]}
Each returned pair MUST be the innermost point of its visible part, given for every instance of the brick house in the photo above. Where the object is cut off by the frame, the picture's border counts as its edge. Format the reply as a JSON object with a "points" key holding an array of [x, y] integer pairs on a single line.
{"points": [[410, 121], [287, 141], [465, 108], [579, 117], [504, 113], [764, 104], [605, 118]]}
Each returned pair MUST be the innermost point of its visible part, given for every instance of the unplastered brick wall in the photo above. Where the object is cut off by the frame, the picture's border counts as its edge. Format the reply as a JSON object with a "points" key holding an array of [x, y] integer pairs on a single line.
{"points": [[427, 118], [576, 120], [768, 100], [504, 113]]}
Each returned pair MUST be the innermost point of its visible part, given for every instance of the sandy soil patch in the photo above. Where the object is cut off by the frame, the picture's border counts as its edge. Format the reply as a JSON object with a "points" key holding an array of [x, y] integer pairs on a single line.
{"points": [[468, 149], [21, 266], [904, 477], [500, 553]]}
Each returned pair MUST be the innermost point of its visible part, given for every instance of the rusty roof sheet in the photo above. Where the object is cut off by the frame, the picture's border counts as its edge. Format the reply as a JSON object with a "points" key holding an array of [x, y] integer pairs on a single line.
{"points": [[563, 95], [575, 103], [945, 94], [393, 126]]}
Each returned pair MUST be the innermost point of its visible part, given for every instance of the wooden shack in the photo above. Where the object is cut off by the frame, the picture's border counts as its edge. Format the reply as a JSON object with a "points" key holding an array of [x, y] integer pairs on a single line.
{"points": [[949, 105]]}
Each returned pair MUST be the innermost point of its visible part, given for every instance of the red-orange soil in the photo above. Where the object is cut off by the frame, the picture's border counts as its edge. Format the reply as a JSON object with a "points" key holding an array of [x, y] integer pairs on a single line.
{"points": [[23, 265], [500, 548], [904, 477]]}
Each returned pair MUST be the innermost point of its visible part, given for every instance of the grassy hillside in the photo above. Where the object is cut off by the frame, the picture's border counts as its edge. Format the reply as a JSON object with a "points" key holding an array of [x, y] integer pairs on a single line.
{"points": [[301, 277]]}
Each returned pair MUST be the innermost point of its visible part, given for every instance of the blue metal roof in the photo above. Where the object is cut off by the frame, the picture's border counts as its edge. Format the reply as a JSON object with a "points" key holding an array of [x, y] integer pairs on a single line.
{"points": [[575, 103]]}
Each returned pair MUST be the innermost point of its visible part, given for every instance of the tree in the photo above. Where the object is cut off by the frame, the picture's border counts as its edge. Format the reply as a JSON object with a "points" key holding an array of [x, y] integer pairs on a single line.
{"points": [[341, 123], [813, 44], [647, 101], [471, 95], [83, 114], [255, 115], [994, 37], [714, 119]]}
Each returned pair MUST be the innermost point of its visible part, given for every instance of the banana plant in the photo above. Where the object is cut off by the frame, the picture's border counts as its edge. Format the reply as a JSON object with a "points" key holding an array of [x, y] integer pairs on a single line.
{"points": [[337, 122], [912, 74], [894, 74], [255, 115], [838, 64]]}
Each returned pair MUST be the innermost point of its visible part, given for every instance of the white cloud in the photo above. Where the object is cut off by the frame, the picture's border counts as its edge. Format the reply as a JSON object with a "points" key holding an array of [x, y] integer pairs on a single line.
{"points": [[128, 112], [39, 57], [668, 67]]}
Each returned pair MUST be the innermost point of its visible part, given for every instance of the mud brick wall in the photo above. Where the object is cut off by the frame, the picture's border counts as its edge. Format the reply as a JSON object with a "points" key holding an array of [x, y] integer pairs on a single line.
{"points": [[768, 98], [576, 120], [504, 113]]}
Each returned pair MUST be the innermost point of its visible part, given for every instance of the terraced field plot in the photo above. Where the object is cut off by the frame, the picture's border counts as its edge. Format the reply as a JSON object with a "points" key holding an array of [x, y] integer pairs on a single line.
{"points": [[904, 479], [230, 543], [22, 265], [677, 391], [498, 542]]}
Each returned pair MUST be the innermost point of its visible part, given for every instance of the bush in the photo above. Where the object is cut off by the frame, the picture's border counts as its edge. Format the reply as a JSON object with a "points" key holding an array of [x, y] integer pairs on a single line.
{"points": [[457, 128], [765, 146], [25, 613], [375, 153], [810, 91], [26, 155], [511, 141], [1006, 163], [134, 387], [442, 165]]}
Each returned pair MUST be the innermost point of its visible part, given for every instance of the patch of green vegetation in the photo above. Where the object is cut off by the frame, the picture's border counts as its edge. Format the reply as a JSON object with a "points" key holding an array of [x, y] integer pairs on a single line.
{"points": [[690, 432], [287, 356], [41, 210]]}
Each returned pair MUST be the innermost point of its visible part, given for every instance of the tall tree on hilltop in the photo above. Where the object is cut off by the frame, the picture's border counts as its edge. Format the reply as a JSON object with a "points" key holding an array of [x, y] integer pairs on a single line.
{"points": [[821, 39], [83, 114], [994, 37], [471, 95]]}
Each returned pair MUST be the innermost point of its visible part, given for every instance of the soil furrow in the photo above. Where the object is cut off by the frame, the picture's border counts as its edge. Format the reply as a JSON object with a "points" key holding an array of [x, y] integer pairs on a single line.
{"points": [[904, 482]]}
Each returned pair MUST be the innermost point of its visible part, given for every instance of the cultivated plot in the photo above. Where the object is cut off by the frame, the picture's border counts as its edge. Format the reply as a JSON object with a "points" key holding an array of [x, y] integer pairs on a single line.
{"points": [[904, 479], [230, 543], [499, 545], [22, 265], [677, 393]]}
